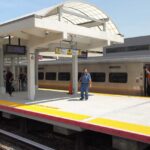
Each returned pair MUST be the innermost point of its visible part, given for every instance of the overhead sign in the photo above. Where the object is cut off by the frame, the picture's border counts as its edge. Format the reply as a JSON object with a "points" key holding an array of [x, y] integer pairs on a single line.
{"points": [[84, 54], [69, 52], [65, 51], [57, 51], [39, 57], [14, 49]]}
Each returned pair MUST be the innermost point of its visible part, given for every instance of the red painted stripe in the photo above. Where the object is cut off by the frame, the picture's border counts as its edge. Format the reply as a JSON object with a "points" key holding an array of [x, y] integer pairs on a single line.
{"points": [[101, 129]]}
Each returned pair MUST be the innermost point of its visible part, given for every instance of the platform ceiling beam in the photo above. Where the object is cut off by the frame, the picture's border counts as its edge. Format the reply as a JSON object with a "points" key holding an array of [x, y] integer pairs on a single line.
{"points": [[62, 27], [17, 25]]}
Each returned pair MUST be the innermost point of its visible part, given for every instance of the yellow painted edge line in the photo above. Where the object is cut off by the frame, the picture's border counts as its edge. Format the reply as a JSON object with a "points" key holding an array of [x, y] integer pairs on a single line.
{"points": [[44, 110], [98, 121], [121, 125], [117, 95], [54, 90], [96, 93], [14, 104]]}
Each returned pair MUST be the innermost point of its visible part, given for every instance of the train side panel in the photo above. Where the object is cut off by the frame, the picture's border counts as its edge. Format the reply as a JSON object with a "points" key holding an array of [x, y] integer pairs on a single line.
{"points": [[120, 78]]}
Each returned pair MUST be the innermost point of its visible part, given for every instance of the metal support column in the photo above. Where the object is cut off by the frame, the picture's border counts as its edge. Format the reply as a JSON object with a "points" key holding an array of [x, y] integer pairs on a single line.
{"points": [[75, 72], [108, 42], [2, 88], [13, 67], [18, 73], [36, 70], [31, 74]]}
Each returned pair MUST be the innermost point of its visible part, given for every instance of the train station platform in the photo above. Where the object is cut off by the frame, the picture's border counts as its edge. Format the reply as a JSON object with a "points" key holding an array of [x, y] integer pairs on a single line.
{"points": [[122, 116]]}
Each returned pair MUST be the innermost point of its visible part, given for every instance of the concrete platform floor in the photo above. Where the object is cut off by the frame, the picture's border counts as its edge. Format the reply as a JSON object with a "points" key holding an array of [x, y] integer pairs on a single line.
{"points": [[117, 107], [127, 109]]}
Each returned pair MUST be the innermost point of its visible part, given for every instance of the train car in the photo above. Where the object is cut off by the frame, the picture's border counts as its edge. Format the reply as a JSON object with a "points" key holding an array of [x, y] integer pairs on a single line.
{"points": [[107, 76], [119, 71]]}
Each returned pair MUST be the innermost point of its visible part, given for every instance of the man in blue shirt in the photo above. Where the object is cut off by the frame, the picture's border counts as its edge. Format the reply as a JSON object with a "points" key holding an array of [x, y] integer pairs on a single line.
{"points": [[86, 82]]}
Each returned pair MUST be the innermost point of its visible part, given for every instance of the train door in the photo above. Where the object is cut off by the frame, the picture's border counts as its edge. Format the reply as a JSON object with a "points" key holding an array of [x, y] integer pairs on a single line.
{"points": [[146, 81]]}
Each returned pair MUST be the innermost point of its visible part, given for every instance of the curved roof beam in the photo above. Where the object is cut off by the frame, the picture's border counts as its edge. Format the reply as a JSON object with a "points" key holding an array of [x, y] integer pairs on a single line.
{"points": [[68, 20], [79, 11], [90, 23], [84, 17]]}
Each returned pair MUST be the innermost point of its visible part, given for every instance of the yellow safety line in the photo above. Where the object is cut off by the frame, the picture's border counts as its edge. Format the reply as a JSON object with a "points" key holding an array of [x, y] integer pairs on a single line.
{"points": [[53, 90], [117, 95], [102, 94], [44, 110], [141, 129], [121, 125], [14, 104]]}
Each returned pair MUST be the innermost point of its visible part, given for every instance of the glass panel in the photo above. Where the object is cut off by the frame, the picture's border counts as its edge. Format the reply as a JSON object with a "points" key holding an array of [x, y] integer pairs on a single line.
{"points": [[50, 75], [98, 76], [128, 49], [41, 75], [118, 77], [64, 76]]}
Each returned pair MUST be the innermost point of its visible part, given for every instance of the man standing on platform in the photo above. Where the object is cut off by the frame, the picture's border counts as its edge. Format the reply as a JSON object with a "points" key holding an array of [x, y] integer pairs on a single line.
{"points": [[86, 82]]}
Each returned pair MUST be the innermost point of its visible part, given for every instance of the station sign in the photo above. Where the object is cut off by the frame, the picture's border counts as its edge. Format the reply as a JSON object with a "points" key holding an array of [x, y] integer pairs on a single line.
{"points": [[39, 57], [65, 51]]}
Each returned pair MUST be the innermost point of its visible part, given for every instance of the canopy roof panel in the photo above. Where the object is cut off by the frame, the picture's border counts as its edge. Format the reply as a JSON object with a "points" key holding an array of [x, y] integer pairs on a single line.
{"points": [[77, 13], [80, 13]]}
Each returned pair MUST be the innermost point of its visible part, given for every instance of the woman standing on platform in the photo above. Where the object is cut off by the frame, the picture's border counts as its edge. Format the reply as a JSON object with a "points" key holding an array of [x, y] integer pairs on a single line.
{"points": [[9, 80]]}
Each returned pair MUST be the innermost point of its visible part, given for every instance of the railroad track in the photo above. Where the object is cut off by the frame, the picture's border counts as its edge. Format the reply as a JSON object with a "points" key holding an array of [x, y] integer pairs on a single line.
{"points": [[26, 134], [24, 142]]}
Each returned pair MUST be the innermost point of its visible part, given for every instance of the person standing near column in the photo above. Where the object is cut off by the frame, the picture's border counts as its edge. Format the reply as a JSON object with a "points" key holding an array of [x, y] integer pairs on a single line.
{"points": [[9, 80], [86, 82]]}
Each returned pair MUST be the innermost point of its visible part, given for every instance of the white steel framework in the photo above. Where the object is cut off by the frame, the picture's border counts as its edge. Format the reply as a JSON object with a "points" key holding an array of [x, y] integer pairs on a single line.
{"points": [[74, 24]]}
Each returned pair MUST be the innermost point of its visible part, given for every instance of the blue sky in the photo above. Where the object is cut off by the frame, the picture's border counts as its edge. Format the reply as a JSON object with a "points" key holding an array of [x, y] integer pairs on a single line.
{"points": [[131, 16]]}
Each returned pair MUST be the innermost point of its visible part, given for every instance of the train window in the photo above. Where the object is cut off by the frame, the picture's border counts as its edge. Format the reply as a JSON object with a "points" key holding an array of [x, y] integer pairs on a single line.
{"points": [[98, 76], [64, 76], [41, 68], [114, 67], [128, 49], [41, 75], [118, 77], [50, 75]]}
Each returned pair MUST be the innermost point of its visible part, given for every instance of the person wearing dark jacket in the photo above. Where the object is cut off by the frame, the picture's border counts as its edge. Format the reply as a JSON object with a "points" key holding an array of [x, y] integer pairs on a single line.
{"points": [[9, 80]]}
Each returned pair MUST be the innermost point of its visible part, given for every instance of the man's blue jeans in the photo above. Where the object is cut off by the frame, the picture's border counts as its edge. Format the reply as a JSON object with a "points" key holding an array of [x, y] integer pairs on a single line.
{"points": [[84, 90]]}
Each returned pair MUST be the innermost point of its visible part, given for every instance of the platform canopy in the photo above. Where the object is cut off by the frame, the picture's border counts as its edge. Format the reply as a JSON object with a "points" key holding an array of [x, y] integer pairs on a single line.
{"points": [[72, 24], [69, 21]]}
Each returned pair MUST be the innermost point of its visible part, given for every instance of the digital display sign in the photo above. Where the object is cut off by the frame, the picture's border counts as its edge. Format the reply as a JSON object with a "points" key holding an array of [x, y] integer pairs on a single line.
{"points": [[84, 54], [14, 49]]}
